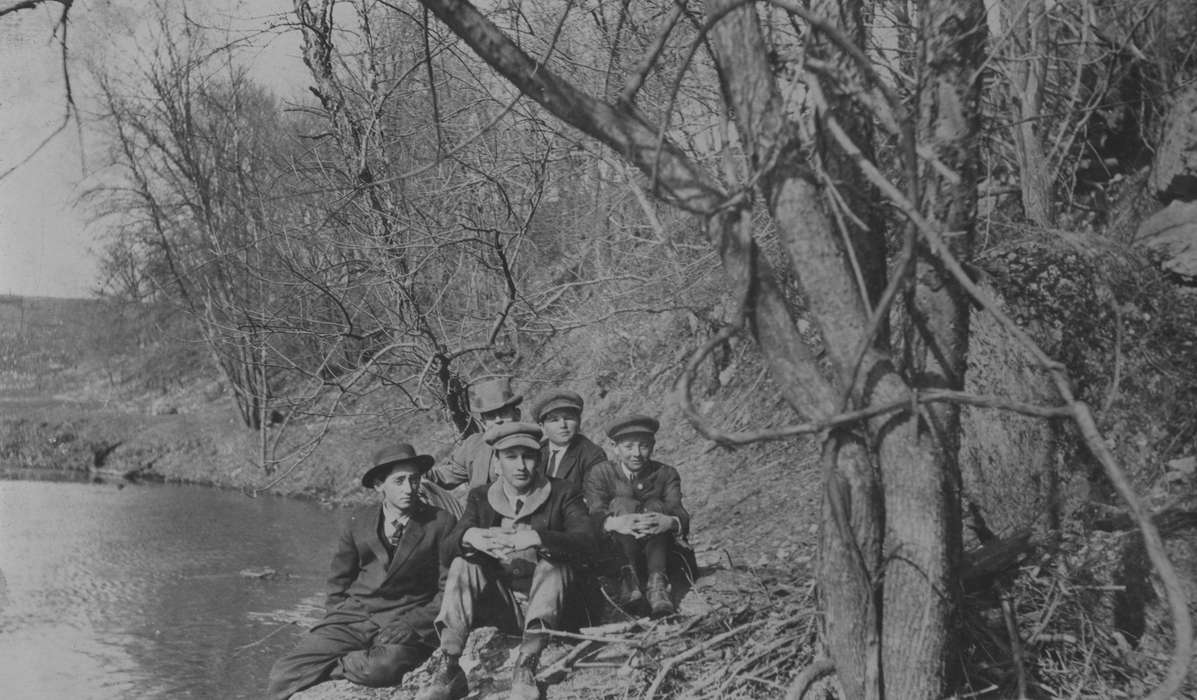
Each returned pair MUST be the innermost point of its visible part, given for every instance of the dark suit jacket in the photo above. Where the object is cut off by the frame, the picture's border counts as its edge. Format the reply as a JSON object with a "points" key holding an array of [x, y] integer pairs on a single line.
{"points": [[402, 590], [555, 510], [581, 455], [656, 481]]}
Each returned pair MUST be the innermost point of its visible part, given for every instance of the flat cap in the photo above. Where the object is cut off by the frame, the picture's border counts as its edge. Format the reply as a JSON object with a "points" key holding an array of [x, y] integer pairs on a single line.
{"points": [[392, 455], [633, 424], [506, 435], [557, 399]]}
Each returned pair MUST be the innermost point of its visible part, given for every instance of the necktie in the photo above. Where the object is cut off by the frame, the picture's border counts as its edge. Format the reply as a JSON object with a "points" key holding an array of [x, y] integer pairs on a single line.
{"points": [[553, 463], [519, 505], [397, 533]]}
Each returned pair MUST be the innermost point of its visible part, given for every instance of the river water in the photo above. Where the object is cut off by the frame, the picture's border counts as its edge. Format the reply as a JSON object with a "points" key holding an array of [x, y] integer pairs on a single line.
{"points": [[111, 592]]}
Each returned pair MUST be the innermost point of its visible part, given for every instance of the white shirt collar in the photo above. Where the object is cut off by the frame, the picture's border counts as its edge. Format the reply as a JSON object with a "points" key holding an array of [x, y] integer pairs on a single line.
{"points": [[390, 514]]}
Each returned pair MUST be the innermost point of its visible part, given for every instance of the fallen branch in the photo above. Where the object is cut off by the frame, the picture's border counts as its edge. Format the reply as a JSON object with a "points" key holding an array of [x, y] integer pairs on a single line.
{"points": [[690, 653]]}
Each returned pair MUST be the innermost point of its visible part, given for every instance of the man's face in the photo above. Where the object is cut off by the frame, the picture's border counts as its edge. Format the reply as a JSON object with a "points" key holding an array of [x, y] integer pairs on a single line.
{"points": [[560, 425], [634, 451], [500, 416], [400, 487], [517, 465]]}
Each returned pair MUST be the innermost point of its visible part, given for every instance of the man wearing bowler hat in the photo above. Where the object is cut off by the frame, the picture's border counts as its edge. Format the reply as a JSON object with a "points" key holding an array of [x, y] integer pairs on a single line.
{"points": [[637, 501], [565, 452], [492, 403], [384, 590], [523, 532]]}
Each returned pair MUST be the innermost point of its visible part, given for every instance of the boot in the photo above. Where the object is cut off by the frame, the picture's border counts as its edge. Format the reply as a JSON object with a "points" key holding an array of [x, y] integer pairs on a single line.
{"points": [[523, 678], [448, 681], [630, 596], [658, 595]]}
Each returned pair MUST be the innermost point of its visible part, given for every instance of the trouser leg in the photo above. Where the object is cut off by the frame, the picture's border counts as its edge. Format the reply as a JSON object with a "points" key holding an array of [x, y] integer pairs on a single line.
{"points": [[546, 600], [313, 660], [383, 665], [656, 551], [463, 586]]}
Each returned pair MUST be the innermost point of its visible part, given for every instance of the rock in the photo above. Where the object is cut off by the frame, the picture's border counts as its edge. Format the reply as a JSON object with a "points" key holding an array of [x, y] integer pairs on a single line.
{"points": [[1177, 153], [1172, 232]]}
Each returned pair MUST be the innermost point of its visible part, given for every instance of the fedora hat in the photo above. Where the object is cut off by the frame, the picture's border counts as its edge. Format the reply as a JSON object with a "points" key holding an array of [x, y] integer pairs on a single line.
{"points": [[491, 395], [389, 456], [557, 399]]}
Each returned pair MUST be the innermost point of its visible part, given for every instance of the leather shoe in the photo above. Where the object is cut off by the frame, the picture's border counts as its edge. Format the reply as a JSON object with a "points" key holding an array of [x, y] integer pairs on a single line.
{"points": [[448, 681], [658, 595]]}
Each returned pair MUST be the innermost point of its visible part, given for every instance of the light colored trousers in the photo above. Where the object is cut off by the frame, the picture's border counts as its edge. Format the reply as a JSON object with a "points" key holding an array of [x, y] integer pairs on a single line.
{"points": [[475, 596]]}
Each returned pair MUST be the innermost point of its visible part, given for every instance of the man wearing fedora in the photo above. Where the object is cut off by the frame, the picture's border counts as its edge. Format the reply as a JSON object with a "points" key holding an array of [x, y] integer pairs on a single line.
{"points": [[637, 501], [384, 590], [566, 453], [524, 532], [492, 403]]}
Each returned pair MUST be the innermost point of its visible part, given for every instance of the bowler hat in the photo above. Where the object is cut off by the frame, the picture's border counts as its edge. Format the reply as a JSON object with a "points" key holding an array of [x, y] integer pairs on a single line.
{"points": [[557, 399], [506, 435], [633, 424], [388, 457], [491, 395]]}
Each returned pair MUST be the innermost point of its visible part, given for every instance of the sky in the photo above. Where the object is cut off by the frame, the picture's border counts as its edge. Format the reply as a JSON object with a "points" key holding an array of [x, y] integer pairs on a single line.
{"points": [[47, 241]]}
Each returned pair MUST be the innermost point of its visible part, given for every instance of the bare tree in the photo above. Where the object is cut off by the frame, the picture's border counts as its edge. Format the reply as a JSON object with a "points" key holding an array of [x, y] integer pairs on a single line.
{"points": [[888, 422]]}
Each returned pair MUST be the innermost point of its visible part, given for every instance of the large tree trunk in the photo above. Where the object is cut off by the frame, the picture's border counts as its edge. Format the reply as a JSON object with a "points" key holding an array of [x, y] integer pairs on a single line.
{"points": [[893, 459]]}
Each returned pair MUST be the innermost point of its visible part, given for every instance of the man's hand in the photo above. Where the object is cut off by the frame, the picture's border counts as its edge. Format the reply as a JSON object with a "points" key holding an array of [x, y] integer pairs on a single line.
{"points": [[649, 524], [488, 540], [523, 539], [397, 632], [623, 524]]}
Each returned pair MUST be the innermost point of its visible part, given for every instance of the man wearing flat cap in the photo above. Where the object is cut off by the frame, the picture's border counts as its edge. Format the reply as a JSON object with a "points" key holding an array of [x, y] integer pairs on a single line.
{"points": [[565, 452], [523, 532], [637, 501], [492, 403], [384, 590]]}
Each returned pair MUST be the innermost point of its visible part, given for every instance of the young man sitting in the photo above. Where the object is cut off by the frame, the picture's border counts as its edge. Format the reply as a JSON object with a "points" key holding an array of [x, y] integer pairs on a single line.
{"points": [[638, 502], [524, 530], [384, 591], [566, 453]]}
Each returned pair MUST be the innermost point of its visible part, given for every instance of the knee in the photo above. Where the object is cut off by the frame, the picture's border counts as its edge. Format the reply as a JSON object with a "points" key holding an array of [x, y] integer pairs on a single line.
{"points": [[550, 576], [383, 666], [462, 571], [653, 505]]}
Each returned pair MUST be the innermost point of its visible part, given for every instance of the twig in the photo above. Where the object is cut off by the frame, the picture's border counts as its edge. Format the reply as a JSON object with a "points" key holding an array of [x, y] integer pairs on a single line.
{"points": [[690, 653], [1015, 645], [276, 630], [594, 638], [562, 665]]}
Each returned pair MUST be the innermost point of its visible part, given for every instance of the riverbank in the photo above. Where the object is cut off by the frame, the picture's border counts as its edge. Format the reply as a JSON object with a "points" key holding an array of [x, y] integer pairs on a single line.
{"points": [[191, 434]]}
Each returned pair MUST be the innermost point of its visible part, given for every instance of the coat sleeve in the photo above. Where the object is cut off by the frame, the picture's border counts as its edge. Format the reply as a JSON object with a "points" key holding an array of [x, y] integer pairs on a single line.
{"points": [[344, 569], [456, 471], [672, 497], [472, 517], [592, 455], [597, 492], [576, 540]]}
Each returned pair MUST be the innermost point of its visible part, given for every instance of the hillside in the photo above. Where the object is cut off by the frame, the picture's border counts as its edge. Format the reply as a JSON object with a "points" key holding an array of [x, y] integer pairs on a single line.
{"points": [[756, 507]]}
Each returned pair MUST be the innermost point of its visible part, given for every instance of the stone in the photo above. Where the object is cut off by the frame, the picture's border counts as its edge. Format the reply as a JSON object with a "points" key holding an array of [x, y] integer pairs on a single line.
{"points": [[1172, 232]]}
